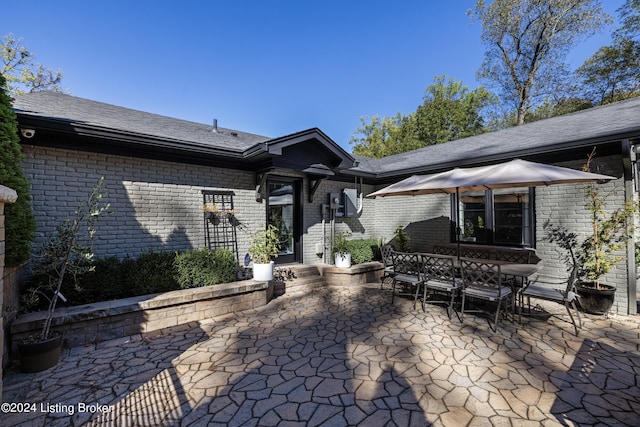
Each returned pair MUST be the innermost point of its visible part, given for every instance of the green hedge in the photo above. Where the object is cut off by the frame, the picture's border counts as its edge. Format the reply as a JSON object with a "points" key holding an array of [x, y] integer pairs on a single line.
{"points": [[150, 273], [203, 267], [362, 250]]}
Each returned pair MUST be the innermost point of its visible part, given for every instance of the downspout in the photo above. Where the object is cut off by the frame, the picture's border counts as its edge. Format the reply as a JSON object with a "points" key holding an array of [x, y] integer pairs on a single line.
{"points": [[361, 201], [323, 208], [628, 159]]}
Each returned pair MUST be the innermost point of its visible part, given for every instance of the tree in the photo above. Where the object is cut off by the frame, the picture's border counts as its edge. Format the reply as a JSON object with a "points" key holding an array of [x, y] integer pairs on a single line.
{"points": [[630, 20], [21, 73], [552, 108], [449, 111], [19, 220], [613, 72], [527, 41], [384, 136]]}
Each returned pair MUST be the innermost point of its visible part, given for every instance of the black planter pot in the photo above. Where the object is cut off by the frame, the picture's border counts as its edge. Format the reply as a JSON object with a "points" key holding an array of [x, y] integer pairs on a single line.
{"points": [[595, 301], [36, 357]]}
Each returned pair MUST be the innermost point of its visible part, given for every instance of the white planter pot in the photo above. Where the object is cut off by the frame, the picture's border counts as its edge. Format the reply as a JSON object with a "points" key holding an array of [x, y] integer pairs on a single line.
{"points": [[263, 272], [343, 260]]}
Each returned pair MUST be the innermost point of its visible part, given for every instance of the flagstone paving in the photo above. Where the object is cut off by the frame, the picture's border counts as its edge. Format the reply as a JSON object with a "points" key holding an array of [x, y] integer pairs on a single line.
{"points": [[341, 357]]}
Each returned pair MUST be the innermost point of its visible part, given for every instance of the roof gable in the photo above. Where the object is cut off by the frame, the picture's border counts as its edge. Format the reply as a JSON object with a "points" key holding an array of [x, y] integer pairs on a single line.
{"points": [[105, 127]]}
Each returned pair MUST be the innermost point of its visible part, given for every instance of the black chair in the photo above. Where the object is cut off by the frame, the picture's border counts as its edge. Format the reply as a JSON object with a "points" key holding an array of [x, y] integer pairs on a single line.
{"points": [[407, 270], [514, 256], [560, 292], [445, 250], [387, 259], [483, 280], [439, 277]]}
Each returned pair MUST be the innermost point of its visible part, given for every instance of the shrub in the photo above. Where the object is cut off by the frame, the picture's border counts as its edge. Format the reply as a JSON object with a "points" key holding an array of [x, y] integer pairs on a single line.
{"points": [[110, 279], [361, 250], [154, 272], [20, 223], [204, 267]]}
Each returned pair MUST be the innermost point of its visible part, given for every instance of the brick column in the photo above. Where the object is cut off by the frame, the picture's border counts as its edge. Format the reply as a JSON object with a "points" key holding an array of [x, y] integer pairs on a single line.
{"points": [[7, 195]]}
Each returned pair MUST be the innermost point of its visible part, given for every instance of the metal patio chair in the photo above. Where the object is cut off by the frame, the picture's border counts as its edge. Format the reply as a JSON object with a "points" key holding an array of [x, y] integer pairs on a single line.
{"points": [[482, 280], [439, 277], [560, 292], [407, 270], [387, 259]]}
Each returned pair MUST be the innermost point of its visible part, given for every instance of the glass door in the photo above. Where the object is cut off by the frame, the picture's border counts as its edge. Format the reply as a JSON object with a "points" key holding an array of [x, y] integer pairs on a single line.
{"points": [[282, 212]]}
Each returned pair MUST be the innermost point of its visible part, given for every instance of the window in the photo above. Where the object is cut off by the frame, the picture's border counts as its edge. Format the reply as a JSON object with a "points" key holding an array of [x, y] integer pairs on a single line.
{"points": [[501, 217]]}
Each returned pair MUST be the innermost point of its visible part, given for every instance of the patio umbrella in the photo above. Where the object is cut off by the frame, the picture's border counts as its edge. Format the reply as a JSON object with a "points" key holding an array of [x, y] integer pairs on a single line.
{"points": [[516, 173]]}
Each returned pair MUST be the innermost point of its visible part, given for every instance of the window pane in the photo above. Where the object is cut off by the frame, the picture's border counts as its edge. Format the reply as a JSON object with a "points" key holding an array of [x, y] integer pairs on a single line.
{"points": [[511, 216], [473, 219], [281, 214]]}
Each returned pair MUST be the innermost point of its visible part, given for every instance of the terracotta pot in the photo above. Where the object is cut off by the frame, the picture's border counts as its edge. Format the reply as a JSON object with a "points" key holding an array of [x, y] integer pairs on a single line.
{"points": [[595, 301], [36, 357]]}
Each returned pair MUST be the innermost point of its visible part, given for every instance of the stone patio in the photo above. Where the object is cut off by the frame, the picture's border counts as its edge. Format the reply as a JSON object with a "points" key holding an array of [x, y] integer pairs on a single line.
{"points": [[343, 356]]}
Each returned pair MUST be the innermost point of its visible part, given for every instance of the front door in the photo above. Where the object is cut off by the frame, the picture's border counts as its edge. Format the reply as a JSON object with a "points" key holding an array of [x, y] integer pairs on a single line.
{"points": [[283, 207]]}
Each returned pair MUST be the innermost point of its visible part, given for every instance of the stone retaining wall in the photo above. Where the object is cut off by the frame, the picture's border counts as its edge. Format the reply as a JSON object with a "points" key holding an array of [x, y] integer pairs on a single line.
{"points": [[90, 323], [359, 274]]}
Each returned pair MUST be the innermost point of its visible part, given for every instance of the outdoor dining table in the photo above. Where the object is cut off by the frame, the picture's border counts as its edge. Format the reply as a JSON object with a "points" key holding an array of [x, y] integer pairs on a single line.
{"points": [[520, 271]]}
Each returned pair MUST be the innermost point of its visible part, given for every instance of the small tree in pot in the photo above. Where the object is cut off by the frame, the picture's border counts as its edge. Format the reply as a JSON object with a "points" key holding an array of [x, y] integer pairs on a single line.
{"points": [[599, 252], [68, 252]]}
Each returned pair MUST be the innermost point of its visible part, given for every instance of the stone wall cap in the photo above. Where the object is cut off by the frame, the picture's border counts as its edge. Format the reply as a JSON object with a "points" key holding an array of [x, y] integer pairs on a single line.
{"points": [[7, 195]]}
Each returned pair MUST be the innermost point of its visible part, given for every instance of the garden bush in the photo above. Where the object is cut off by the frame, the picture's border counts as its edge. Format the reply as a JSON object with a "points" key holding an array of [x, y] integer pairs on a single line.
{"points": [[150, 273], [204, 267], [361, 250], [154, 272]]}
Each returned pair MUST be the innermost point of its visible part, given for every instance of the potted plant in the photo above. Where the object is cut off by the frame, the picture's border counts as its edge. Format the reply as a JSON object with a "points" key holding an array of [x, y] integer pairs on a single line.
{"points": [[264, 248], [67, 253], [402, 240], [599, 252], [340, 249]]}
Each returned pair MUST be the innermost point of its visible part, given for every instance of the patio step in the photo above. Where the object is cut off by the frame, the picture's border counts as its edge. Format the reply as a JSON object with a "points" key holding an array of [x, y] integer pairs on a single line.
{"points": [[304, 278]]}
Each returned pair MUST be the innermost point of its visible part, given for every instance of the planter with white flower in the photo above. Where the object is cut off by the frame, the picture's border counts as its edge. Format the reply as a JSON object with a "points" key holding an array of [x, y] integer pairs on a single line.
{"points": [[340, 250], [264, 248]]}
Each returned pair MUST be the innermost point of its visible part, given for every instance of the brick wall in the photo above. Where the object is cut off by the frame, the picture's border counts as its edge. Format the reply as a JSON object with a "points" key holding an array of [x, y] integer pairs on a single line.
{"points": [[564, 205], [156, 205]]}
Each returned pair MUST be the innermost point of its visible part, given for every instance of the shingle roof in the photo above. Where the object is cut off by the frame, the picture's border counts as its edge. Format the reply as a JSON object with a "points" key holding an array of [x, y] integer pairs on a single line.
{"points": [[600, 124], [93, 114]]}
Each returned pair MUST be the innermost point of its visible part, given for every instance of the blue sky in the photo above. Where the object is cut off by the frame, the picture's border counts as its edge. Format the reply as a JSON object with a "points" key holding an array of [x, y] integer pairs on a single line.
{"points": [[266, 67]]}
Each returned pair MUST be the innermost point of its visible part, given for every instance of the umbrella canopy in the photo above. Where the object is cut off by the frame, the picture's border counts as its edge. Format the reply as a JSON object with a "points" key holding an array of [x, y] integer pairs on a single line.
{"points": [[516, 173]]}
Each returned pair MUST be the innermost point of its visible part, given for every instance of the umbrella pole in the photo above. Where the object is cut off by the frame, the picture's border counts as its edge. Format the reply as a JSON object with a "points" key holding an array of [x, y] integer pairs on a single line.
{"points": [[458, 229]]}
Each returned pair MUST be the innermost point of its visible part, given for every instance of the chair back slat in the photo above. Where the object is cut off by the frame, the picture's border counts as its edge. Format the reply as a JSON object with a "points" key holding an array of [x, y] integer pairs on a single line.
{"points": [[387, 255], [474, 253], [445, 250], [405, 263], [438, 267], [515, 256], [481, 274]]}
